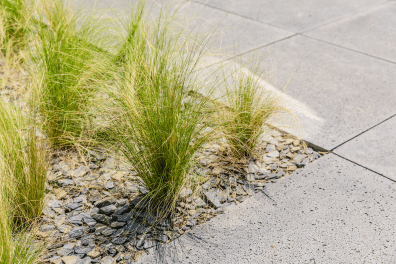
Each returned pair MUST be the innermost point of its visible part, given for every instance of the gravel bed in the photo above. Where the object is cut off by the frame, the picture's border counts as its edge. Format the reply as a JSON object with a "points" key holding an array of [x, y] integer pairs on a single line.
{"points": [[95, 209]]}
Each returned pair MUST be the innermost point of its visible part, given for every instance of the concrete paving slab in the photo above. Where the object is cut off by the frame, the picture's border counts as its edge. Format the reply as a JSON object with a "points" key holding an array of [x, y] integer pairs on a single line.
{"points": [[234, 34], [351, 92], [374, 149], [330, 212], [296, 16], [372, 32]]}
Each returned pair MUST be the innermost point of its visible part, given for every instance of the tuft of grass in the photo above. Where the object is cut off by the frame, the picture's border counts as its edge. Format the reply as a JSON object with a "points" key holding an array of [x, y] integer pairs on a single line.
{"points": [[23, 157], [156, 123], [24, 164], [20, 247], [14, 24], [23, 168], [66, 69], [5, 225], [248, 106]]}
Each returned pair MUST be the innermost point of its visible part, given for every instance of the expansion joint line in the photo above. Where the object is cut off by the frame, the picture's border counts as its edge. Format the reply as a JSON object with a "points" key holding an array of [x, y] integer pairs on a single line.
{"points": [[236, 14], [364, 167], [345, 48], [363, 132]]}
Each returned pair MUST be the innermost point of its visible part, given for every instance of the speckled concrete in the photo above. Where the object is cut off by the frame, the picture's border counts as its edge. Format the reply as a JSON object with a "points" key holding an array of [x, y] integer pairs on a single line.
{"points": [[375, 149], [372, 32], [350, 91], [330, 212], [296, 16], [234, 34]]}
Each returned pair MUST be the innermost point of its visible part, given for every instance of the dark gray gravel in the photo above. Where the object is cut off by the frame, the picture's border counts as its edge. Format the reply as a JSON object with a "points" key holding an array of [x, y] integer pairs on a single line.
{"points": [[103, 220]]}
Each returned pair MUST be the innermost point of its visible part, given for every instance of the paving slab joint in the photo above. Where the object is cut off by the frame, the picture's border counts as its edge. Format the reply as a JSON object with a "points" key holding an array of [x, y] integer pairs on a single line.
{"points": [[237, 14], [342, 47], [266, 45], [363, 167], [365, 10], [361, 133]]}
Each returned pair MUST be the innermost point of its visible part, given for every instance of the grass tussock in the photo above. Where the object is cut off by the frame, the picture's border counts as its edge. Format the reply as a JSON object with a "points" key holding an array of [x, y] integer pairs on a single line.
{"points": [[157, 125], [20, 247], [247, 109], [66, 71], [23, 168], [24, 165], [14, 24]]}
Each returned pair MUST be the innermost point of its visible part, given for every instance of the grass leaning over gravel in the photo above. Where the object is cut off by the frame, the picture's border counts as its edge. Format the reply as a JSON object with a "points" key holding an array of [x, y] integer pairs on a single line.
{"points": [[67, 69], [248, 107], [14, 24], [157, 125], [23, 169]]}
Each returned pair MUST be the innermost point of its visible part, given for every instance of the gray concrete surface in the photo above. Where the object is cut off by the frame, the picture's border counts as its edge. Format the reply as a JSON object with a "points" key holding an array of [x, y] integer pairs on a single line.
{"points": [[296, 16], [350, 91], [331, 212], [251, 34], [375, 149], [371, 32], [341, 208]]}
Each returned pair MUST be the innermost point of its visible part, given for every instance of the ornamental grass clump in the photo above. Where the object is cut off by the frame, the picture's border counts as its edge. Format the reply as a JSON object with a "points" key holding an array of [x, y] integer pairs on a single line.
{"points": [[24, 164], [247, 108], [14, 24], [156, 124], [67, 67], [23, 170], [17, 245], [7, 242]]}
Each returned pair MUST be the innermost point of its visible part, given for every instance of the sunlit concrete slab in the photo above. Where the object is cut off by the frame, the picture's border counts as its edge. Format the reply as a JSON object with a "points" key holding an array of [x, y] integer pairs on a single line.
{"points": [[375, 149], [331, 212], [350, 92]]}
